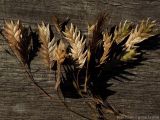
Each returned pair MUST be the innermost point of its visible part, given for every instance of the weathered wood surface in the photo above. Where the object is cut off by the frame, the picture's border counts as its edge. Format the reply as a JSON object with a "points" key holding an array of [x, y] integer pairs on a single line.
{"points": [[19, 100]]}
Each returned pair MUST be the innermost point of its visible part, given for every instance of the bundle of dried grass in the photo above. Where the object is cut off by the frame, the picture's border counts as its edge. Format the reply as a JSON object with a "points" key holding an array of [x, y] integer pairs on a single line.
{"points": [[19, 40], [92, 54]]}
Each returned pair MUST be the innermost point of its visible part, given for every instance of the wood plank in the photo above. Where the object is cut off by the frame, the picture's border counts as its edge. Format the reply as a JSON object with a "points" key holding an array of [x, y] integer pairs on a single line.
{"points": [[19, 100]]}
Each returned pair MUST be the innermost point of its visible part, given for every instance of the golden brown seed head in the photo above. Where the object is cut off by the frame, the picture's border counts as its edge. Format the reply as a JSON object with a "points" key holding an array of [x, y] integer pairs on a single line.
{"points": [[78, 52], [141, 32], [47, 45], [107, 43]]}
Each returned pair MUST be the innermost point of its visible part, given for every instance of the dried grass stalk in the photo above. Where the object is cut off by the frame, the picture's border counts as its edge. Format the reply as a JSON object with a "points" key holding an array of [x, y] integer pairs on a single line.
{"points": [[19, 40], [59, 55], [122, 31], [78, 52], [107, 43], [13, 34], [141, 32], [47, 45]]}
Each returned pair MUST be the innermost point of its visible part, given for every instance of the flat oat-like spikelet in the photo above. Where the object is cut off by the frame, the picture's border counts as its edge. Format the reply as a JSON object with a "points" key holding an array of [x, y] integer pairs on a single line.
{"points": [[78, 52], [129, 55], [122, 31], [59, 52], [47, 45], [107, 43], [12, 33], [141, 32], [59, 55], [18, 39]]}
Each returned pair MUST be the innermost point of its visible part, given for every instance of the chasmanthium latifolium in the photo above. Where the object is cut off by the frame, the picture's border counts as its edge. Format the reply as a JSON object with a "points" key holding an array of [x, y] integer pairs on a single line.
{"points": [[77, 57]]}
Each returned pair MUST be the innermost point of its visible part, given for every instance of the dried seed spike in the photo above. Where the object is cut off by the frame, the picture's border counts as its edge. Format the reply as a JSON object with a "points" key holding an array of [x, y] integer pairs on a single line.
{"points": [[106, 47], [122, 31], [129, 55], [19, 41], [77, 43], [141, 32], [47, 45], [59, 53], [12, 33]]}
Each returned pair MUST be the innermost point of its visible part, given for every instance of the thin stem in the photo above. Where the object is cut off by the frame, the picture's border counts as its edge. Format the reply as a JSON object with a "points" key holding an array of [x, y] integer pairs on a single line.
{"points": [[64, 103], [77, 83], [35, 83], [58, 75], [49, 74], [86, 78]]}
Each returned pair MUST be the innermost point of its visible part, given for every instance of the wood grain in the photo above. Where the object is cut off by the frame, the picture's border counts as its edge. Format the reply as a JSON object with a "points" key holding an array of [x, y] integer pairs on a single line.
{"points": [[19, 100]]}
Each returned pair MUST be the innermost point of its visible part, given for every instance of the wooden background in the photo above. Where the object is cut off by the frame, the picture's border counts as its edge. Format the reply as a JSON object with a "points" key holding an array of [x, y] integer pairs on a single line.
{"points": [[138, 97]]}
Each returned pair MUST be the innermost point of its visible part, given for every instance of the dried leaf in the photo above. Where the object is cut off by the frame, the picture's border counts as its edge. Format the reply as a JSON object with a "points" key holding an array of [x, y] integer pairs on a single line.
{"points": [[60, 26], [95, 32]]}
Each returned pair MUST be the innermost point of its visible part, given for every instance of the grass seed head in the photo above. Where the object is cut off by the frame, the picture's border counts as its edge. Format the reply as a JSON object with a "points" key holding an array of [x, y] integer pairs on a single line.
{"points": [[78, 43]]}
